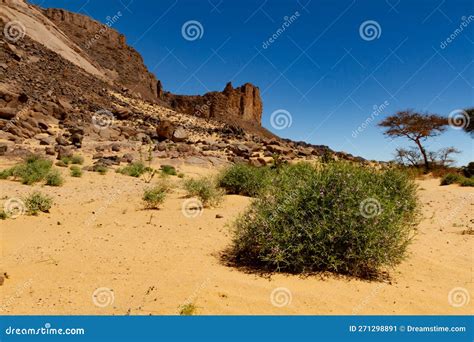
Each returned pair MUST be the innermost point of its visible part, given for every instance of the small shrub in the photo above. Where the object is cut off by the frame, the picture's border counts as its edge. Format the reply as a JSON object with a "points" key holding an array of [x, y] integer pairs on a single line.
{"points": [[180, 175], [61, 163], [451, 178], [188, 309], [168, 170], [135, 169], [66, 160], [336, 217], [155, 195], [77, 159], [101, 169], [34, 169], [4, 174], [3, 215], [205, 189], [243, 179], [76, 171], [54, 178], [467, 181], [37, 202]]}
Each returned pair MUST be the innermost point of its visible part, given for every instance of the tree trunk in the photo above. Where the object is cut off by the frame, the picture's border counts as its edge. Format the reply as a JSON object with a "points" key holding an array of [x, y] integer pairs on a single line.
{"points": [[423, 153]]}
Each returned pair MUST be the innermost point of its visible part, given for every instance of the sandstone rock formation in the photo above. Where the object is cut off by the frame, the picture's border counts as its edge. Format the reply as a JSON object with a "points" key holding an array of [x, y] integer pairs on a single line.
{"points": [[241, 104]]}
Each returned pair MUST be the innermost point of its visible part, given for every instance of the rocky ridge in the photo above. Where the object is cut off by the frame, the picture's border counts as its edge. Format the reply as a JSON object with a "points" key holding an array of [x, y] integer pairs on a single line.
{"points": [[53, 104]]}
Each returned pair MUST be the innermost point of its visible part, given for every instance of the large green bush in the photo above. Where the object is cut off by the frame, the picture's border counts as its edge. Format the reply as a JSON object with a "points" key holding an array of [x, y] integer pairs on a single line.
{"points": [[451, 178], [204, 188], [336, 217], [34, 169], [244, 179]]}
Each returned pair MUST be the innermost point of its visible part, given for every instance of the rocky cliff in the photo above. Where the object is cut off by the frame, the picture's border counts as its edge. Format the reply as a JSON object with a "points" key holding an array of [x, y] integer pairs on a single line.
{"points": [[235, 104], [124, 65]]}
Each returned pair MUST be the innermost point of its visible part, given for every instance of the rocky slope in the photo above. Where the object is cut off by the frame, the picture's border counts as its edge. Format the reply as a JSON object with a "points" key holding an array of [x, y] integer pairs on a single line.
{"points": [[68, 82]]}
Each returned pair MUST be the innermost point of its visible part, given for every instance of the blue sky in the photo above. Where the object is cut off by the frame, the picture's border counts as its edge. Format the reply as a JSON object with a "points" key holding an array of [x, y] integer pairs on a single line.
{"points": [[322, 70]]}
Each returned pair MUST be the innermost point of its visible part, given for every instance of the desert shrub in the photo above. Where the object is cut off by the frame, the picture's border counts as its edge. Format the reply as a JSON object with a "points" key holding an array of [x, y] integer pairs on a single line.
{"points": [[243, 179], [154, 196], [168, 170], [467, 181], [3, 215], [77, 159], [54, 178], [37, 202], [76, 171], [34, 169], [205, 189], [101, 169], [188, 309], [61, 163], [336, 217], [4, 174], [451, 178], [135, 169]]}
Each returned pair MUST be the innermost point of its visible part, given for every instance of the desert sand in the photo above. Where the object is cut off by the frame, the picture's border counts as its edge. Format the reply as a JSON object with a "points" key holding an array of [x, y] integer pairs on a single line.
{"points": [[151, 262]]}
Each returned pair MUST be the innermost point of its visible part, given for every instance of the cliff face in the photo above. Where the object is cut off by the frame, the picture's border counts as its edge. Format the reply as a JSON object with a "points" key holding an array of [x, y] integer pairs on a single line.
{"points": [[232, 104], [124, 65], [103, 53], [108, 49]]}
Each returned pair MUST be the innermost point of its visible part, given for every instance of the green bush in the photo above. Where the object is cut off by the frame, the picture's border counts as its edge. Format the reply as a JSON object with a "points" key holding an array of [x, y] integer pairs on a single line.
{"points": [[155, 195], [76, 171], [101, 169], [77, 159], [205, 189], [4, 174], [37, 202], [34, 169], [243, 179], [135, 169], [337, 217], [54, 178], [451, 178], [168, 170], [467, 181]]}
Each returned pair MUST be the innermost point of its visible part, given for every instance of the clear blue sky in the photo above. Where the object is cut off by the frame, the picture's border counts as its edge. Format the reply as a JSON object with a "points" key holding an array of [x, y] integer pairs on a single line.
{"points": [[319, 69]]}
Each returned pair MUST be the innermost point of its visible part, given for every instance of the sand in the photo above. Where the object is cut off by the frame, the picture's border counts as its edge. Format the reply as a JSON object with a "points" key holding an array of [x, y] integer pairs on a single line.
{"points": [[98, 239]]}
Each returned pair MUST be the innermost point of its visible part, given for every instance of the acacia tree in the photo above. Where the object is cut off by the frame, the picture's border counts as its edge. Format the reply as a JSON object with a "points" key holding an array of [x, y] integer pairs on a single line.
{"points": [[469, 127], [416, 127]]}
